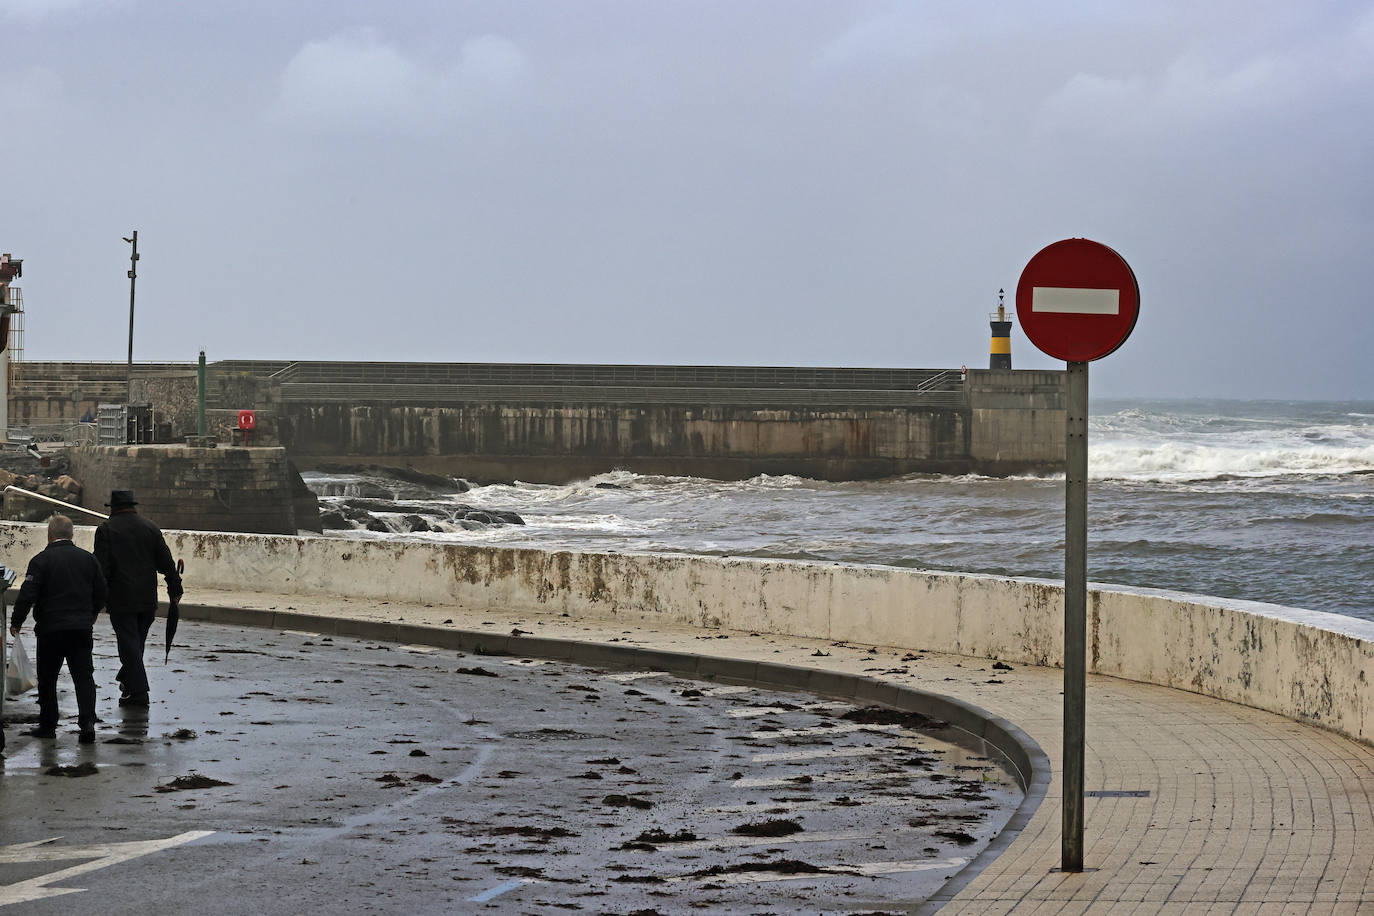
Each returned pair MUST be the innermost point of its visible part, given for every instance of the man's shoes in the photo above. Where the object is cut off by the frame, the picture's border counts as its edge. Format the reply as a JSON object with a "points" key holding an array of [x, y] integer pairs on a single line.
{"points": [[87, 736], [46, 734], [139, 700]]}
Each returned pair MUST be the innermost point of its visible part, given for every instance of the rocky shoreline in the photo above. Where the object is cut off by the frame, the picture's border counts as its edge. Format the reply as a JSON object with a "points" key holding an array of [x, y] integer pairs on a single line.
{"points": [[392, 500], [368, 498], [360, 513], [48, 479]]}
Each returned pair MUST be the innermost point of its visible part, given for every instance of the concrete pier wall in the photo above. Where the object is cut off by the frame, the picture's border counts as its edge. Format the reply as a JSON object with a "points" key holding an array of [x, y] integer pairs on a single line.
{"points": [[220, 489], [571, 441], [1310, 666], [556, 423], [994, 423]]}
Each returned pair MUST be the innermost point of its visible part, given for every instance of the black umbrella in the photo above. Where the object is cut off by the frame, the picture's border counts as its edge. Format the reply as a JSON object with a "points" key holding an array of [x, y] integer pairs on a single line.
{"points": [[173, 615]]}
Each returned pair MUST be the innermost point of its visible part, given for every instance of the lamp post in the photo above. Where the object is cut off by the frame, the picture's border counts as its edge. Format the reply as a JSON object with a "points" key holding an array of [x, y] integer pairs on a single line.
{"points": [[133, 276]]}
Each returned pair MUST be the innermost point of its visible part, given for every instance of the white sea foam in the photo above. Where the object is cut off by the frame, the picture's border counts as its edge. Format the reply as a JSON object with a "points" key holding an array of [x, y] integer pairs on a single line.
{"points": [[1165, 460], [1254, 439]]}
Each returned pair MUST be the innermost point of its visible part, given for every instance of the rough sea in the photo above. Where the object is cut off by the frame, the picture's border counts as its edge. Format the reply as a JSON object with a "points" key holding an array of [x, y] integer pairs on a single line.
{"points": [[1263, 500]]}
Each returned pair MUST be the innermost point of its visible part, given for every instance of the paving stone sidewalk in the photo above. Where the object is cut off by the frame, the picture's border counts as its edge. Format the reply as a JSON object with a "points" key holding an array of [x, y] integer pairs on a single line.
{"points": [[1232, 810]]}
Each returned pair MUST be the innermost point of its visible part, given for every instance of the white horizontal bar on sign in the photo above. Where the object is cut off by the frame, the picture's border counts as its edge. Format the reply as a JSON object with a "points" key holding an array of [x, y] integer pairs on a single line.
{"points": [[1067, 300]]}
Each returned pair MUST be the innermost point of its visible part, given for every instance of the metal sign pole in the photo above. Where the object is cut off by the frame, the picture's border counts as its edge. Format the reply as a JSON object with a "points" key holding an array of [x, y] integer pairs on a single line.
{"points": [[1075, 611], [1078, 301], [4, 666]]}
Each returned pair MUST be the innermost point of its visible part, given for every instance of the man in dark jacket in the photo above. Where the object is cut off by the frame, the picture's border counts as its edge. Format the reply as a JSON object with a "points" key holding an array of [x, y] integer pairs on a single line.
{"points": [[132, 552], [66, 590]]}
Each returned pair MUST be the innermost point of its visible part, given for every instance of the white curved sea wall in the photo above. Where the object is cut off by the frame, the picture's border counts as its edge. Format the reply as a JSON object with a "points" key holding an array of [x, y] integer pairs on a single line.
{"points": [[1307, 665]]}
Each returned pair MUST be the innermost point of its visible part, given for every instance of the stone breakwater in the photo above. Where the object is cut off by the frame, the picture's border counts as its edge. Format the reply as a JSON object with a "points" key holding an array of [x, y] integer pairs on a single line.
{"points": [[1310, 666], [55, 485]]}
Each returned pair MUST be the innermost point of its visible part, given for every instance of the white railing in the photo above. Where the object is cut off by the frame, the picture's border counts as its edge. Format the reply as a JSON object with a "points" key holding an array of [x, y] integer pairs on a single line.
{"points": [[71, 507]]}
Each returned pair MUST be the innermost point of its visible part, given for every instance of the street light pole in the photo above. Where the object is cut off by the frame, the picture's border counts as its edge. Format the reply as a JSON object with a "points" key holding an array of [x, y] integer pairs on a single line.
{"points": [[133, 276]]}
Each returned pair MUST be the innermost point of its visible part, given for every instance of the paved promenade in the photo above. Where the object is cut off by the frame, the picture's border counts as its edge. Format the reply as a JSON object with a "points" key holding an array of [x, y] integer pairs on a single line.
{"points": [[1230, 810]]}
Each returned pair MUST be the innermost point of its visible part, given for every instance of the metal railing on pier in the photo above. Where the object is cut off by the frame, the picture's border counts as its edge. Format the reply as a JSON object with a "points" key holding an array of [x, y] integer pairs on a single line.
{"points": [[60, 433], [420, 394], [550, 383], [545, 374], [528, 383]]}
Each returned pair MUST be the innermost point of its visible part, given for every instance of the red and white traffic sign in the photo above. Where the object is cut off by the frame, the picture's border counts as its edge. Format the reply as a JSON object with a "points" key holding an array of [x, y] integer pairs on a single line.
{"points": [[1077, 300]]}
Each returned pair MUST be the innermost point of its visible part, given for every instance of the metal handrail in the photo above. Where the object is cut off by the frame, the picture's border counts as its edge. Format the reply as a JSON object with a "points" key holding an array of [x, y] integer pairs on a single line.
{"points": [[67, 433], [936, 381], [55, 502]]}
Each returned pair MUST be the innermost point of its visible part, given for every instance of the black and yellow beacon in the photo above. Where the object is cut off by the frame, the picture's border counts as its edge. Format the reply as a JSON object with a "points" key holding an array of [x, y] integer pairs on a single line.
{"points": [[999, 354]]}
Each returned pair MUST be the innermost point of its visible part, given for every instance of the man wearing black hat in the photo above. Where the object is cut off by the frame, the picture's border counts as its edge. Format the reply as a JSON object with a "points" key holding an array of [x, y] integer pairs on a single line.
{"points": [[66, 591], [132, 552]]}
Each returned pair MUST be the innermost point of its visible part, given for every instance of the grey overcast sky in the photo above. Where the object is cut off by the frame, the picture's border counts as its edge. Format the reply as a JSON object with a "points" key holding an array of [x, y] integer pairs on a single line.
{"points": [[777, 182]]}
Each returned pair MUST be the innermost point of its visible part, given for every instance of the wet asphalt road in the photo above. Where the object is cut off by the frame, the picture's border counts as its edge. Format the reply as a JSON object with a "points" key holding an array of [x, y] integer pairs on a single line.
{"points": [[367, 778]]}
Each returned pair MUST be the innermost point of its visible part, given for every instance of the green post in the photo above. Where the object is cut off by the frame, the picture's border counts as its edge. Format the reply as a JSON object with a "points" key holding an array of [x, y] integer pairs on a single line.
{"points": [[200, 397]]}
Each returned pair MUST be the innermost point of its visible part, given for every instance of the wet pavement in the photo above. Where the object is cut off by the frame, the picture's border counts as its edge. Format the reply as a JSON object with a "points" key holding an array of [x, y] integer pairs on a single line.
{"points": [[288, 773]]}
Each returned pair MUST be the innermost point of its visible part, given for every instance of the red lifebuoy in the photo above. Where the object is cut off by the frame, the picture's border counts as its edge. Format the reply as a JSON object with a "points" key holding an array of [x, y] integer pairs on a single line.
{"points": [[247, 419]]}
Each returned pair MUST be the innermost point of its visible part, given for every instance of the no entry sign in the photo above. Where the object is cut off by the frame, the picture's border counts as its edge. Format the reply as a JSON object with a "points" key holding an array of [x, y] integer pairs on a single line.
{"points": [[1077, 300]]}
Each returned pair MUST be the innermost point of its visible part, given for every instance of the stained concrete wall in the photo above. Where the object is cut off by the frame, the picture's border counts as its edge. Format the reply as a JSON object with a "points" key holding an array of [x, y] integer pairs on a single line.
{"points": [[1002, 422], [996, 422], [1016, 419], [64, 392], [1307, 665], [556, 443], [221, 489], [54, 393]]}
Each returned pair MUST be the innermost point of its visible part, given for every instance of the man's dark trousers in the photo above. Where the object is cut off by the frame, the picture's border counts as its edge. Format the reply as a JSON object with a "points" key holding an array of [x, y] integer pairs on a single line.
{"points": [[74, 647], [131, 634]]}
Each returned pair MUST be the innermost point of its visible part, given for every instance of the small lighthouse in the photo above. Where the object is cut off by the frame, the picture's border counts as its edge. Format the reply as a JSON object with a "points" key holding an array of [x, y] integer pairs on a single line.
{"points": [[999, 354]]}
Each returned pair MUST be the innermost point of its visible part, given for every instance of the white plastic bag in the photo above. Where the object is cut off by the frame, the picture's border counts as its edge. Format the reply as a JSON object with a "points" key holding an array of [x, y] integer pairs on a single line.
{"points": [[19, 674]]}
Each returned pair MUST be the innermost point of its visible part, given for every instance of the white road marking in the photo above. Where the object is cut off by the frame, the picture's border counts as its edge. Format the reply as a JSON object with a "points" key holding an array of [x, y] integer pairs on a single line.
{"points": [[422, 650], [633, 676], [1071, 301], [892, 868], [102, 855], [845, 728], [499, 889], [726, 690], [754, 782]]}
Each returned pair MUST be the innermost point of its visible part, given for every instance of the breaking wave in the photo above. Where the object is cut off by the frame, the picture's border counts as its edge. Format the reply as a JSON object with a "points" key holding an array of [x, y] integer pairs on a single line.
{"points": [[1185, 461], [1254, 439]]}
